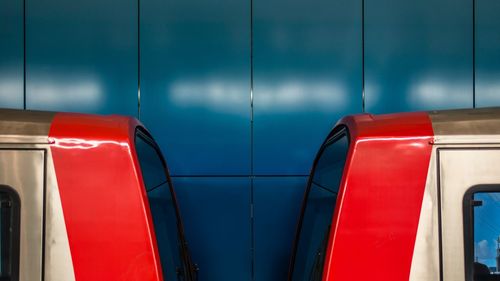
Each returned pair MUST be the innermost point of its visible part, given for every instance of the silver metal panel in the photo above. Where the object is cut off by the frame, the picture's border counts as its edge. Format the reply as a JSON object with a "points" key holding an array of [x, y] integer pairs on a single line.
{"points": [[21, 139], [460, 169], [58, 261], [23, 170], [466, 122], [24, 126], [425, 262], [25, 122], [466, 139]]}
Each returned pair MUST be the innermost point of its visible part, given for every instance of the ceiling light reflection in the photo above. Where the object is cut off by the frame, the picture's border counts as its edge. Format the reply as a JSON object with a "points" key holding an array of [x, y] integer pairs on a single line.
{"points": [[11, 91], [284, 95], [441, 93], [86, 94]]}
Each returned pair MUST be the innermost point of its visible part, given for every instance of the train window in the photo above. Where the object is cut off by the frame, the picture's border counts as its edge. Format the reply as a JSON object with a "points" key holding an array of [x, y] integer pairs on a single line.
{"points": [[9, 234], [483, 238], [162, 204], [318, 210], [152, 167]]}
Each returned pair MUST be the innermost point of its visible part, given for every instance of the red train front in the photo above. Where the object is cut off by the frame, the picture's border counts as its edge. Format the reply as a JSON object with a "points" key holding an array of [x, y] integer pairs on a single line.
{"points": [[86, 197], [411, 196]]}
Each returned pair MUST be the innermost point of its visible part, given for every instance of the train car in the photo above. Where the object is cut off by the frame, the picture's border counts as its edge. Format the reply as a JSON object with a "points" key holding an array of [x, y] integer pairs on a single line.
{"points": [[86, 197], [410, 196]]}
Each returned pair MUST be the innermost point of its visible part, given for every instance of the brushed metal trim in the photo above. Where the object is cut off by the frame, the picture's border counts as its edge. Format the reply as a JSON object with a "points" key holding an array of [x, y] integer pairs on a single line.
{"points": [[20, 139], [25, 125], [23, 170], [466, 139], [466, 122], [425, 261], [58, 261]]}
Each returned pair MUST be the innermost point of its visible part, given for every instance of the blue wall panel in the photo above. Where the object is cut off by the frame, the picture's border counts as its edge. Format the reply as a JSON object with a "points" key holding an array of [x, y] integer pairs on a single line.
{"points": [[82, 56], [418, 55], [195, 83], [487, 53], [277, 204], [11, 54], [216, 215], [307, 74]]}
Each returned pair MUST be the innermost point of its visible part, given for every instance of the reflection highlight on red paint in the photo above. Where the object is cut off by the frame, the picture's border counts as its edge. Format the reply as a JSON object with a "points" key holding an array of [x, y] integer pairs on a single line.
{"points": [[73, 143]]}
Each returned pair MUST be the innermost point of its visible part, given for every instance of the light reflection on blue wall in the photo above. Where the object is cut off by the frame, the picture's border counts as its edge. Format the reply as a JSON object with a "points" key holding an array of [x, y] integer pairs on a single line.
{"points": [[66, 93], [195, 83], [11, 54], [487, 53], [292, 94], [221, 95], [418, 55], [82, 56], [436, 91], [307, 74]]}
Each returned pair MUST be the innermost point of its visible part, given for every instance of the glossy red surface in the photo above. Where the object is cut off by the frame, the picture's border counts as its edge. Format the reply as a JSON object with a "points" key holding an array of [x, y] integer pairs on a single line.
{"points": [[105, 206], [380, 197]]}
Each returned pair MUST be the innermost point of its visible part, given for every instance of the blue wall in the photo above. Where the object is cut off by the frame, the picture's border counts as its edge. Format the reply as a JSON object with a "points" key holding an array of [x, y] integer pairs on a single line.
{"points": [[82, 56], [418, 55], [11, 54], [240, 94], [307, 74], [487, 70]]}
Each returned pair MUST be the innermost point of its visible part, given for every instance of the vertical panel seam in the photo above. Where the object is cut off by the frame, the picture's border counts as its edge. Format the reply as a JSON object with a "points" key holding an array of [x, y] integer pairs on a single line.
{"points": [[440, 228], [252, 222], [363, 95], [139, 59], [44, 208], [473, 53], [251, 91], [24, 54]]}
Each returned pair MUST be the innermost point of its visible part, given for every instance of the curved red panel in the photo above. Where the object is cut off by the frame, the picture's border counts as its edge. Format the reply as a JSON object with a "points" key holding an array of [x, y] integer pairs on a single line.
{"points": [[104, 203], [376, 218]]}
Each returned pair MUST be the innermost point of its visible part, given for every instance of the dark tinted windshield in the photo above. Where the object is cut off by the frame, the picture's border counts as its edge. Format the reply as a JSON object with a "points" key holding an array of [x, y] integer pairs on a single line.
{"points": [[9, 234], [318, 212], [163, 208]]}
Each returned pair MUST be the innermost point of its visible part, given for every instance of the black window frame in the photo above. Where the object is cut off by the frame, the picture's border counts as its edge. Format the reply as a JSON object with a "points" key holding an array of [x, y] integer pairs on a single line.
{"points": [[189, 269], [336, 134], [146, 137], [468, 220], [16, 229]]}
